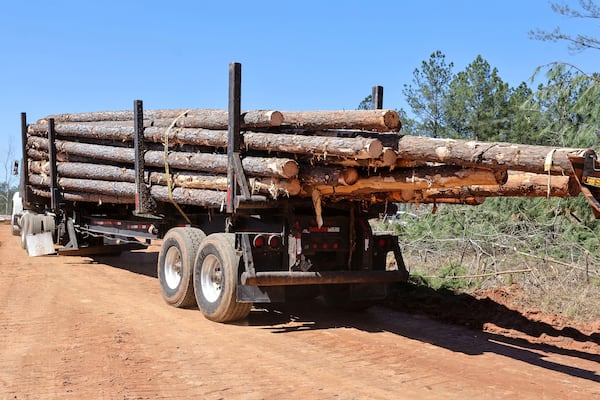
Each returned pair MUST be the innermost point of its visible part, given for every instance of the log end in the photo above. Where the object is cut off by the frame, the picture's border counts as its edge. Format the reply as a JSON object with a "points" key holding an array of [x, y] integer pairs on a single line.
{"points": [[275, 118], [349, 177], [389, 157], [292, 186], [374, 148], [290, 169]]}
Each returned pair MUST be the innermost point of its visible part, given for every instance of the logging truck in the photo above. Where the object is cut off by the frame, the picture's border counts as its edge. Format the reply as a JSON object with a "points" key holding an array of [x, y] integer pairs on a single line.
{"points": [[256, 206]]}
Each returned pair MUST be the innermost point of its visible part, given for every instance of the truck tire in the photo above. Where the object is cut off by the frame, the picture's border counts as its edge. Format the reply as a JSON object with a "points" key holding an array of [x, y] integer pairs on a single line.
{"points": [[176, 265], [216, 278]]}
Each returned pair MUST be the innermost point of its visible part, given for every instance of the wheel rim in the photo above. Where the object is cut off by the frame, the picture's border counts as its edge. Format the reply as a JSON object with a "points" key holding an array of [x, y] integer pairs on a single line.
{"points": [[211, 278], [173, 268]]}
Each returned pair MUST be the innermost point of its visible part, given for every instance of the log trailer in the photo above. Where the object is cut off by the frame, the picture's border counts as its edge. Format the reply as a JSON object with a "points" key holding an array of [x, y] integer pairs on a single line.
{"points": [[234, 240]]}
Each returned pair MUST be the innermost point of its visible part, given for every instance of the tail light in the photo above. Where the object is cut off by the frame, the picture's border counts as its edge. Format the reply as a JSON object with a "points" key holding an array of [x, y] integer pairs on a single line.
{"points": [[259, 241], [274, 241]]}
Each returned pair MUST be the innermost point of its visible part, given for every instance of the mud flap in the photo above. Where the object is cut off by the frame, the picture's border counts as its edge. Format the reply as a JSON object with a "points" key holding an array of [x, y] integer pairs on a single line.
{"points": [[260, 294], [40, 244]]}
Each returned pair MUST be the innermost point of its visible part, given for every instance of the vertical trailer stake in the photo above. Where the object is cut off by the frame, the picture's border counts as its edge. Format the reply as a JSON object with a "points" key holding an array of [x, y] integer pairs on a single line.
{"points": [[377, 98], [234, 140], [144, 204], [235, 171], [25, 192], [54, 195]]}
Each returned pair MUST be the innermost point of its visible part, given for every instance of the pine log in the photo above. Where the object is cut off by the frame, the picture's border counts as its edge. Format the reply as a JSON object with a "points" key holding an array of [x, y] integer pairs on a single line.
{"points": [[331, 176], [358, 148], [196, 118], [388, 159], [126, 190], [190, 180], [85, 197], [368, 120], [495, 155], [415, 178], [518, 185], [417, 198], [208, 162]]}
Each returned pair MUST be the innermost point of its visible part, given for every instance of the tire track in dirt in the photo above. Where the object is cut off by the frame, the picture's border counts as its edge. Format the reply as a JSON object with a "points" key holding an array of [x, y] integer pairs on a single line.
{"points": [[78, 329]]}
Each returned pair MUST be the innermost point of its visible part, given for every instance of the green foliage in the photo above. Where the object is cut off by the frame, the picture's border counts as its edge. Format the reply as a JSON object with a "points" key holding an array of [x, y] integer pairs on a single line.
{"points": [[366, 103], [428, 93], [477, 103], [554, 240], [587, 10]]}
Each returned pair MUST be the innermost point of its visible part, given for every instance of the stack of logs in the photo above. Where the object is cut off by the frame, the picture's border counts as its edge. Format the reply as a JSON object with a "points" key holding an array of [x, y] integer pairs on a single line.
{"points": [[337, 155]]}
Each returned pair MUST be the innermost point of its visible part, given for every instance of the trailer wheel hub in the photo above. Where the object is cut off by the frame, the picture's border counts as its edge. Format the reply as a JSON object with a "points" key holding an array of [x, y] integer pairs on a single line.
{"points": [[211, 278], [173, 268]]}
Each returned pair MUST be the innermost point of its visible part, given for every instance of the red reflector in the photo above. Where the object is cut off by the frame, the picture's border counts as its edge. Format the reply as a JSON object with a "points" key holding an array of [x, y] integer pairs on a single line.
{"points": [[275, 241], [335, 245], [259, 241], [325, 246], [382, 243], [315, 246]]}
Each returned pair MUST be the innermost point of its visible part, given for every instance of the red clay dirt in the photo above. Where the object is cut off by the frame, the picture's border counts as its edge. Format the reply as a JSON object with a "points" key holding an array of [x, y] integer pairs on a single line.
{"points": [[83, 328]]}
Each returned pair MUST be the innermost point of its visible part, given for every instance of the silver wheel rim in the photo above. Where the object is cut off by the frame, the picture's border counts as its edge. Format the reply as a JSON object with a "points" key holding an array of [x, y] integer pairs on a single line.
{"points": [[173, 268], [211, 278]]}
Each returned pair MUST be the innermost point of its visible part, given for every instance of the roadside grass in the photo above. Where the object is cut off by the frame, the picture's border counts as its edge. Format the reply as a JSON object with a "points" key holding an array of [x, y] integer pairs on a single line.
{"points": [[548, 248]]}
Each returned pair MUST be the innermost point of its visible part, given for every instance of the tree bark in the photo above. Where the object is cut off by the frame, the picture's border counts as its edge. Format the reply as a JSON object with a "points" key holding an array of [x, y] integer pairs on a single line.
{"points": [[518, 185], [496, 155], [126, 190], [358, 148], [331, 176], [190, 180], [368, 120], [86, 197], [413, 179], [417, 198], [208, 162], [196, 118]]}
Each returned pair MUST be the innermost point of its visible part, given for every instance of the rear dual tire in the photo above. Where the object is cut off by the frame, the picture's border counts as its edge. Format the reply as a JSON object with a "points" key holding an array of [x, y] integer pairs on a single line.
{"points": [[216, 279]]}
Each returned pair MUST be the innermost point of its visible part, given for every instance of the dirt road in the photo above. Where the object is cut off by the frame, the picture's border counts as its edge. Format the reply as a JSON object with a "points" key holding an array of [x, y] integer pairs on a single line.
{"points": [[84, 329]]}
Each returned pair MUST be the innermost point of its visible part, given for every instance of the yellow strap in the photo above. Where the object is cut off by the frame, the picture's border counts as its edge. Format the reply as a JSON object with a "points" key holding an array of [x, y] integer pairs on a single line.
{"points": [[167, 171], [548, 168]]}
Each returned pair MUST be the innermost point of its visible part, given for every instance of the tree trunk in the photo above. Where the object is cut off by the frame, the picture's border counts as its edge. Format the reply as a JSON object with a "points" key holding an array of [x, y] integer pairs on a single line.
{"points": [[126, 190], [208, 162], [330, 176], [196, 118], [368, 120], [518, 157], [518, 185], [415, 178], [358, 148], [190, 180]]}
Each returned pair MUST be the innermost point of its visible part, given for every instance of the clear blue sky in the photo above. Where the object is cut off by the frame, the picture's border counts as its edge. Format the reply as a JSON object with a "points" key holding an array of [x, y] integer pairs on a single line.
{"points": [[72, 56]]}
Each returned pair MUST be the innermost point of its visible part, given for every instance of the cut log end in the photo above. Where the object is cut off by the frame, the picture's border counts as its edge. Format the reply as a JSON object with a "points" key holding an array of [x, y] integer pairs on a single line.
{"points": [[349, 177], [391, 120], [375, 148], [389, 157], [290, 169]]}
